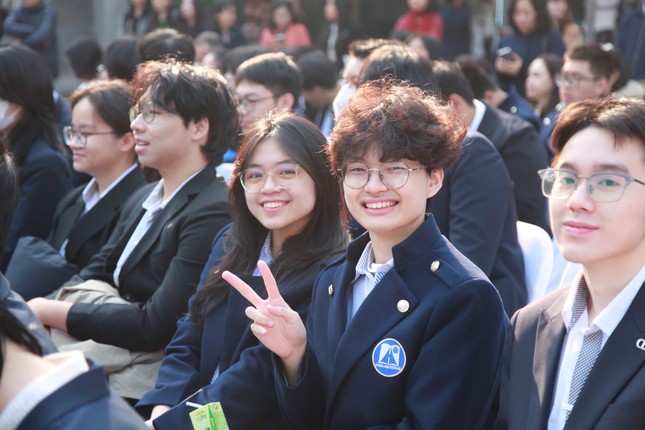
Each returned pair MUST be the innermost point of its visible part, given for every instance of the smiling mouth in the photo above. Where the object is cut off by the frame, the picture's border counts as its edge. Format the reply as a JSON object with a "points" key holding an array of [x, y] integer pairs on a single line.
{"points": [[379, 205], [272, 205]]}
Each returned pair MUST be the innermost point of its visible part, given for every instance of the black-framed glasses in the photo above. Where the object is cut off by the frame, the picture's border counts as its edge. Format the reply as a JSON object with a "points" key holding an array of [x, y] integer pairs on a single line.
{"points": [[248, 105], [574, 81], [70, 134], [602, 187], [147, 110], [393, 174], [282, 175]]}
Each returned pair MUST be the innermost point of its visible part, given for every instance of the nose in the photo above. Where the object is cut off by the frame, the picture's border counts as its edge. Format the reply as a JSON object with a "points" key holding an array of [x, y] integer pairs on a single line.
{"points": [[374, 183], [580, 198], [269, 185], [137, 123]]}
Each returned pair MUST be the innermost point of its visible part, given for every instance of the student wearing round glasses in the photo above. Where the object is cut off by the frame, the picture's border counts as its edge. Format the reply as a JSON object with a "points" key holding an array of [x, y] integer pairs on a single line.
{"points": [[575, 359], [285, 203], [404, 331], [102, 147]]}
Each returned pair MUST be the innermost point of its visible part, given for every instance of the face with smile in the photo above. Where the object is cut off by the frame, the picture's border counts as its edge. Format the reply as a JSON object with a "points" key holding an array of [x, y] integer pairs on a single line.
{"points": [[164, 143], [101, 151], [284, 210], [389, 214], [601, 234]]}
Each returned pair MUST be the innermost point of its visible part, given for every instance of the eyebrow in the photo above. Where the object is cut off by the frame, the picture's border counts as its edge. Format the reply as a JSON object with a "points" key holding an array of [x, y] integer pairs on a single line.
{"points": [[287, 161], [602, 167]]}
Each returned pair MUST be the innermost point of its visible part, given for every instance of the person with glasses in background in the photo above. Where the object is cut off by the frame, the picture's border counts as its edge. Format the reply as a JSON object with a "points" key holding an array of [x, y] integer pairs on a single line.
{"points": [[122, 308], [404, 331], [574, 359], [588, 72], [285, 203], [102, 147]]}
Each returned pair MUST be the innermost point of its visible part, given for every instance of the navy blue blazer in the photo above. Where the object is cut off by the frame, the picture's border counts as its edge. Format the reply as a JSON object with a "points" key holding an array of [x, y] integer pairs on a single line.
{"points": [[45, 178], [524, 154], [162, 271], [423, 351], [85, 402], [613, 396], [475, 210], [195, 352]]}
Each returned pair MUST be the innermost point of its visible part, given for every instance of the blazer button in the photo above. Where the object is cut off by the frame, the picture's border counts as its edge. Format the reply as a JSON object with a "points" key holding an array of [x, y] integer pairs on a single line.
{"points": [[330, 290], [403, 306], [435, 265], [127, 296]]}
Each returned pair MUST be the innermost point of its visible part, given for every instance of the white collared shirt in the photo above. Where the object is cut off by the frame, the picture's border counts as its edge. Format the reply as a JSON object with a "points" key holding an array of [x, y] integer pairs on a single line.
{"points": [[69, 365], [368, 275], [480, 110], [607, 321], [154, 204], [91, 197]]}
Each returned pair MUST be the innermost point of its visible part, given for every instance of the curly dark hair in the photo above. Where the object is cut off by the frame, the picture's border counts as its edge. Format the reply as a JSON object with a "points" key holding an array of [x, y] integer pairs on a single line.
{"points": [[400, 122]]}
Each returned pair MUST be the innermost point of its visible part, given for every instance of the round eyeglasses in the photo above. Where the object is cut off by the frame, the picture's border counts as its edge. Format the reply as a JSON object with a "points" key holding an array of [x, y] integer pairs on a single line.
{"points": [[282, 175], [573, 81], [393, 175], [602, 187], [70, 134], [147, 110]]}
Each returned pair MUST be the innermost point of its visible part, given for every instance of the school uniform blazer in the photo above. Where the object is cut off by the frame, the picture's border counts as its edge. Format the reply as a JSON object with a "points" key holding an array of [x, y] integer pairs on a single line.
{"points": [[614, 394], [423, 351], [195, 352], [475, 210], [86, 402], [86, 233], [162, 271], [524, 154]]}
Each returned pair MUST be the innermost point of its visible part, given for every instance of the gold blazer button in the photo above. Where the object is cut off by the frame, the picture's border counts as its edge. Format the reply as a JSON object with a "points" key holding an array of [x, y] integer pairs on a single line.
{"points": [[403, 306], [435, 265]]}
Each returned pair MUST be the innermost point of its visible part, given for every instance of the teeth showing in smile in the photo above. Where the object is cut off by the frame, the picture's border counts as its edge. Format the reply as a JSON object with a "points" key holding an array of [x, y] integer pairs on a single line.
{"points": [[379, 205], [273, 204]]}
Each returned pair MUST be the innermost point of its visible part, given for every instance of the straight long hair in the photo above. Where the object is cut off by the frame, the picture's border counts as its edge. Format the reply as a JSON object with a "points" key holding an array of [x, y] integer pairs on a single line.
{"points": [[324, 235]]}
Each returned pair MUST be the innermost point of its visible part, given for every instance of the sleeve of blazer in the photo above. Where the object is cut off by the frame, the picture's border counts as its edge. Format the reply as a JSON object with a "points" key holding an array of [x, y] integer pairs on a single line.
{"points": [[44, 182], [476, 221], [503, 413], [149, 326], [44, 30], [179, 375]]}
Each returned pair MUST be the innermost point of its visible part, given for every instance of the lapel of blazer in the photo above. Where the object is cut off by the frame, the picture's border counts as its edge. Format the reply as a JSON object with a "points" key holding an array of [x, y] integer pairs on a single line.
{"points": [[617, 363], [376, 316], [100, 215], [164, 219], [67, 218], [546, 359]]}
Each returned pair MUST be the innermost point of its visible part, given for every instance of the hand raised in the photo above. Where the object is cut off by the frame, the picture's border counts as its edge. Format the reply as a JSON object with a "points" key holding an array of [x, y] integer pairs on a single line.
{"points": [[275, 324]]}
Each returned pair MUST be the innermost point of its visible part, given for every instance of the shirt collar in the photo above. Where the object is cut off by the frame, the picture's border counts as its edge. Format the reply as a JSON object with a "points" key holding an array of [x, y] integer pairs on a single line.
{"points": [[366, 264], [154, 202], [92, 188], [609, 318], [480, 109]]}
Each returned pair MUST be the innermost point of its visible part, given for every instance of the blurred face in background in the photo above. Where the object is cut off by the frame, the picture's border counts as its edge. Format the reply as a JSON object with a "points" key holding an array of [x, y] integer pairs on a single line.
{"points": [[539, 84], [524, 16], [417, 5]]}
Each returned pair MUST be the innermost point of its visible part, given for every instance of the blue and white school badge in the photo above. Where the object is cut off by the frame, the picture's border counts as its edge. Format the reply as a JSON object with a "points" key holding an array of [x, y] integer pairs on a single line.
{"points": [[388, 358]]}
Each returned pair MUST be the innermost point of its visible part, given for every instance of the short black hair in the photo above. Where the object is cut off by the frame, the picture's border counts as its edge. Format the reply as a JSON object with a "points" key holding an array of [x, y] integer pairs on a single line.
{"points": [[317, 70], [364, 47], [167, 44], [602, 62], [9, 192], [451, 80], [122, 57], [274, 70], [84, 56], [479, 80]]}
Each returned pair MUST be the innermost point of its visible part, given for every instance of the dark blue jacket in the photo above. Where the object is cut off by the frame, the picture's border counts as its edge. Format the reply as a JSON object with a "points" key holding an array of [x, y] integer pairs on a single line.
{"points": [[630, 40], [423, 351]]}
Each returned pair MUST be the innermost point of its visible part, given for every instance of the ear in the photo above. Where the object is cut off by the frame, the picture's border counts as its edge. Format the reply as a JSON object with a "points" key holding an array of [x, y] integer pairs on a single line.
{"points": [[604, 86], [434, 183], [489, 97], [286, 102], [126, 142], [457, 101], [200, 130]]}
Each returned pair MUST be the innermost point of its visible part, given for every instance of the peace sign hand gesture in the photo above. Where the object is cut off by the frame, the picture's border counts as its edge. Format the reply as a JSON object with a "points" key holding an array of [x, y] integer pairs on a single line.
{"points": [[275, 324]]}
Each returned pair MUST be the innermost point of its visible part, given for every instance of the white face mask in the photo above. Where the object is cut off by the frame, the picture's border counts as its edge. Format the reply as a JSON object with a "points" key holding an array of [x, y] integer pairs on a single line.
{"points": [[345, 93], [6, 121]]}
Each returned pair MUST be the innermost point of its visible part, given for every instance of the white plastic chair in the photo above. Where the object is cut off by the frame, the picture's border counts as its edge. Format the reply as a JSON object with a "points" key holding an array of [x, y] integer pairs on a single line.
{"points": [[537, 250]]}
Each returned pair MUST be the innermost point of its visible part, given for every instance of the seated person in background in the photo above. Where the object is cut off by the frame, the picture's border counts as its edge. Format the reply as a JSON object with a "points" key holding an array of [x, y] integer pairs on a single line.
{"points": [[574, 359], [166, 43], [122, 58], [475, 208], [384, 344], [320, 86], [421, 18], [59, 391], [183, 119], [284, 200], [283, 31], [12, 301], [543, 93], [225, 14], [102, 145], [516, 140]]}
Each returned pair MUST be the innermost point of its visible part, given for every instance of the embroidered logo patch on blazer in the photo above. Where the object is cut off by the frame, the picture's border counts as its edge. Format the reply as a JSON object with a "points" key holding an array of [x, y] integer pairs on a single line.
{"points": [[388, 357]]}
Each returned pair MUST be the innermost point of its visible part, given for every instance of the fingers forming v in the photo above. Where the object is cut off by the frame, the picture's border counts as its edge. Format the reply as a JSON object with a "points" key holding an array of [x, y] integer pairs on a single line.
{"points": [[244, 289]]}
